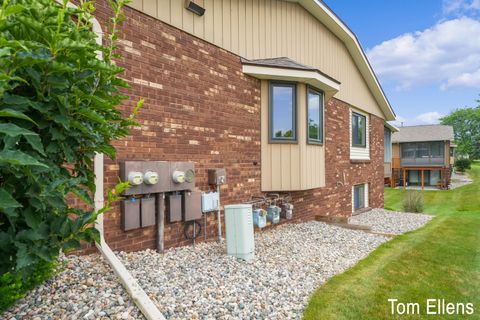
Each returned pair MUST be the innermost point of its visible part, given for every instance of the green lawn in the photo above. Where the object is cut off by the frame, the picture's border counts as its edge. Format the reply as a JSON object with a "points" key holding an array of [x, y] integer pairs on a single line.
{"points": [[439, 261]]}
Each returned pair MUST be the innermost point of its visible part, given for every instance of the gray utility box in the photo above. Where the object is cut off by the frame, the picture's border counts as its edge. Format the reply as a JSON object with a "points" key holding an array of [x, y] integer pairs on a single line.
{"points": [[147, 209], [217, 176], [130, 214], [174, 208], [192, 206]]}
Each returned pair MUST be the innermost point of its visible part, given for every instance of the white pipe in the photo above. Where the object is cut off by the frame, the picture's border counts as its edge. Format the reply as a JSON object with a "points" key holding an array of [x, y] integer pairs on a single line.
{"points": [[138, 295]]}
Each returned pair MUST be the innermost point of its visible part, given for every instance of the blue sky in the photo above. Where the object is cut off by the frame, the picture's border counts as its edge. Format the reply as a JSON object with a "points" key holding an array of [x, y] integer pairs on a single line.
{"points": [[426, 53]]}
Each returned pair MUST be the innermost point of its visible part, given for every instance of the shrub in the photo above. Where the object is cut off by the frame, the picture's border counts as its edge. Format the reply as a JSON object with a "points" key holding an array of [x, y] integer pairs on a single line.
{"points": [[14, 287], [413, 201], [58, 105], [462, 164]]}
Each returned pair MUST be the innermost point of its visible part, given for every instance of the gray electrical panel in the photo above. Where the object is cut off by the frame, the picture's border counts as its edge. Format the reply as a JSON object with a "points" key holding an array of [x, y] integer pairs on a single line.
{"points": [[174, 208], [131, 214], [147, 209], [192, 206]]}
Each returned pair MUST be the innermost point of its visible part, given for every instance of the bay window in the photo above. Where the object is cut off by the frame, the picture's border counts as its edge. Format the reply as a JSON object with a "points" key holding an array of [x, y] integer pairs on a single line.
{"points": [[283, 108], [314, 116]]}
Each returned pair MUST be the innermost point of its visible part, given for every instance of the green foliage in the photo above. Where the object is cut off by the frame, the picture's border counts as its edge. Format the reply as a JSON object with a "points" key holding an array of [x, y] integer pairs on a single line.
{"points": [[466, 124], [58, 106], [14, 287], [462, 164], [413, 201]]}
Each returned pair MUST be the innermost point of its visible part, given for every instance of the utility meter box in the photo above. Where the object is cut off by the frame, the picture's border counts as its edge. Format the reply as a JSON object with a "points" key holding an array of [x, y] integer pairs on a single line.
{"points": [[147, 212], [239, 231], [127, 168], [192, 203], [155, 176], [217, 176], [174, 208], [161, 169], [182, 176], [130, 214]]}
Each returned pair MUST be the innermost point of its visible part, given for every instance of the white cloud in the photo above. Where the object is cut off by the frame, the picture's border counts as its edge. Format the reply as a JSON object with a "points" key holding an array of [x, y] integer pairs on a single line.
{"points": [[432, 117], [437, 55], [460, 7], [468, 79]]}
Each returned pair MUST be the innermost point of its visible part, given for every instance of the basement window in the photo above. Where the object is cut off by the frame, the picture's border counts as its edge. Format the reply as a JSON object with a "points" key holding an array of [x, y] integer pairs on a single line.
{"points": [[359, 130], [283, 109], [314, 116], [359, 197]]}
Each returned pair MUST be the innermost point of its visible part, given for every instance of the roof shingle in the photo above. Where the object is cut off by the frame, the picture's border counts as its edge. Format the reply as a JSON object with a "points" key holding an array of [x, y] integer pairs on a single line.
{"points": [[436, 132]]}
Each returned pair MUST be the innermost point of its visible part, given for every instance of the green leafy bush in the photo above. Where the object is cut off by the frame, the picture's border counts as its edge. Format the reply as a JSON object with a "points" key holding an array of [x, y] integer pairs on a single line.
{"points": [[58, 106], [413, 201], [462, 164], [14, 287]]}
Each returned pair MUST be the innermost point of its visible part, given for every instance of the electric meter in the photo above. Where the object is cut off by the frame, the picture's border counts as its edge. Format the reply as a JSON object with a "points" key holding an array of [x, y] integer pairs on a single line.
{"points": [[189, 176], [178, 176], [150, 177], [135, 178]]}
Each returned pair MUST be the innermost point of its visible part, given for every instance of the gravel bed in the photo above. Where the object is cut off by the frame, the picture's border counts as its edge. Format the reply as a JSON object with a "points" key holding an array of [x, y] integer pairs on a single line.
{"points": [[291, 262], [86, 288], [390, 222]]}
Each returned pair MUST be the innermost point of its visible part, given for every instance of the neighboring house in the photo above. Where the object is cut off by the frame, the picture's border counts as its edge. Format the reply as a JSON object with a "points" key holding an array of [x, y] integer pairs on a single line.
{"points": [[279, 93], [387, 143], [423, 156]]}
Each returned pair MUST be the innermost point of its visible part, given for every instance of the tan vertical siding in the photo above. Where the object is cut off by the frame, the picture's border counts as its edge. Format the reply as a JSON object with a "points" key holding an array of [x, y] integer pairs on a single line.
{"points": [[287, 167], [269, 28]]}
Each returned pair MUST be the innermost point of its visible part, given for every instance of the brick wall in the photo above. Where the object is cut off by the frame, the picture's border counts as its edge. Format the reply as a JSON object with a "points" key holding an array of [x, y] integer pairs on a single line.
{"points": [[200, 107]]}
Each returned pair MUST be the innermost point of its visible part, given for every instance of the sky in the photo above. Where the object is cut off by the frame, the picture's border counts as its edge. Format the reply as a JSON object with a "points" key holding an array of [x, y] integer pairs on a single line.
{"points": [[426, 53]]}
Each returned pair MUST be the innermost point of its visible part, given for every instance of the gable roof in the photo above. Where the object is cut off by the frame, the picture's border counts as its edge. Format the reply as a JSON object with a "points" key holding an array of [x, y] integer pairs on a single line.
{"points": [[436, 132], [326, 16]]}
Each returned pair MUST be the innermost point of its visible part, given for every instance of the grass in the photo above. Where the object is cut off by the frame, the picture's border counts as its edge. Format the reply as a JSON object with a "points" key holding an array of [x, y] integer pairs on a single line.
{"points": [[438, 261]]}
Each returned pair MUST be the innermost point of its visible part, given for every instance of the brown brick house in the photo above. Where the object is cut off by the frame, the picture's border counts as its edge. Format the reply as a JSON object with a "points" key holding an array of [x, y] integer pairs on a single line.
{"points": [[279, 93]]}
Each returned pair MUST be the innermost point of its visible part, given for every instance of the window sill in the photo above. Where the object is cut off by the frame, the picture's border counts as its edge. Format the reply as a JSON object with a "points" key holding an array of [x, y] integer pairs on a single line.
{"points": [[361, 210], [356, 161], [279, 141]]}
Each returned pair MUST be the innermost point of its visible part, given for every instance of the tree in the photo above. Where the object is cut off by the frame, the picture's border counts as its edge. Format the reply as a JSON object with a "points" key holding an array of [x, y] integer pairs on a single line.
{"points": [[466, 124], [58, 106]]}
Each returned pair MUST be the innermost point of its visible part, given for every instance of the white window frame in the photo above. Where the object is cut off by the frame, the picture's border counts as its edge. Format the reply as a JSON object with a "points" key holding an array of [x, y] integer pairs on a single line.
{"points": [[360, 153], [365, 186]]}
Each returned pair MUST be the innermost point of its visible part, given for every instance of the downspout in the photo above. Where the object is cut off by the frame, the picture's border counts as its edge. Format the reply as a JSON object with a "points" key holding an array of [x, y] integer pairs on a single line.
{"points": [[138, 295]]}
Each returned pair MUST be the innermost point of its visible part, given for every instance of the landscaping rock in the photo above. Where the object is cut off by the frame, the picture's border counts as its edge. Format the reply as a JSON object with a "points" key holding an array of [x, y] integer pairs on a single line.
{"points": [[390, 222], [290, 262], [84, 288]]}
